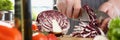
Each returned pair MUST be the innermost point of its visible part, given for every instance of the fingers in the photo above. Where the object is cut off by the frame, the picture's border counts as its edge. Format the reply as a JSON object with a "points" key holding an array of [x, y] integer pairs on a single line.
{"points": [[111, 12], [61, 5], [58, 3], [104, 23], [69, 8], [63, 10], [77, 7], [105, 7], [110, 9], [64, 7]]}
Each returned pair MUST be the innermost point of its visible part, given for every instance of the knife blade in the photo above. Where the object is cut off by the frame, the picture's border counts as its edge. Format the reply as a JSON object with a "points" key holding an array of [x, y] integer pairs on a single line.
{"points": [[84, 17]]}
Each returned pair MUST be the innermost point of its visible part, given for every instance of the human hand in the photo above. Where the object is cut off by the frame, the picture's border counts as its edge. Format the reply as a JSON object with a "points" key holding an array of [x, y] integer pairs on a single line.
{"points": [[112, 8], [70, 8]]}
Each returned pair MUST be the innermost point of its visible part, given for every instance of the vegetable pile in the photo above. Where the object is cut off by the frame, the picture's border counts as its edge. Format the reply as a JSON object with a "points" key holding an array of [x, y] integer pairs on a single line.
{"points": [[114, 29], [9, 33], [41, 36], [6, 5]]}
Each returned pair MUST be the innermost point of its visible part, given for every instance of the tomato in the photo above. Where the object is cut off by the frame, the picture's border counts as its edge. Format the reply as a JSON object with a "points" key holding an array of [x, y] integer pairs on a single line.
{"points": [[7, 33], [39, 36], [51, 37], [34, 26]]}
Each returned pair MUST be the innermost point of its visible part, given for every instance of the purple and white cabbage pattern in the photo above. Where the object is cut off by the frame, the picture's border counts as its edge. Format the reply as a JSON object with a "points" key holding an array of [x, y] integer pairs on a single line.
{"points": [[44, 20], [87, 30]]}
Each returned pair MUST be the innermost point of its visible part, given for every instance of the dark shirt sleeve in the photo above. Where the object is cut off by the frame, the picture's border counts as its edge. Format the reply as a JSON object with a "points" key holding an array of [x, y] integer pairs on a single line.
{"points": [[94, 4]]}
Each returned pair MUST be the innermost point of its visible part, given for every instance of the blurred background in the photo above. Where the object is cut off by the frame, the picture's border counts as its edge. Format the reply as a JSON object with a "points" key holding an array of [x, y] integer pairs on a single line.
{"points": [[38, 6]]}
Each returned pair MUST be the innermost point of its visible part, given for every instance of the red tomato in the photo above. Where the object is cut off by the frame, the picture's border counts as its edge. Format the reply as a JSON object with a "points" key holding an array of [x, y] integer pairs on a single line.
{"points": [[40, 36], [51, 37], [9, 33], [34, 26]]}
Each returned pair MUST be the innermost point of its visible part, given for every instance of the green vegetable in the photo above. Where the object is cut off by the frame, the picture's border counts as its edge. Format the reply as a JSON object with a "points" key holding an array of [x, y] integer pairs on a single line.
{"points": [[6, 5], [34, 16], [114, 29]]}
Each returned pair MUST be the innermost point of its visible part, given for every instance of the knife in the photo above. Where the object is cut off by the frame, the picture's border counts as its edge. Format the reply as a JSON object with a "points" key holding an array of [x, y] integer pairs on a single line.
{"points": [[84, 16]]}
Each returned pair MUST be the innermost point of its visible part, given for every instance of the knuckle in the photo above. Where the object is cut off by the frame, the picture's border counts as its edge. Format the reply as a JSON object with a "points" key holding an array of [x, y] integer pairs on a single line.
{"points": [[77, 8]]}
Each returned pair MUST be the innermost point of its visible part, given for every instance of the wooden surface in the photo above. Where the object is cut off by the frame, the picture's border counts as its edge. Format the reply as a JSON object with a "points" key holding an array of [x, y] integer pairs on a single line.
{"points": [[68, 37], [72, 38]]}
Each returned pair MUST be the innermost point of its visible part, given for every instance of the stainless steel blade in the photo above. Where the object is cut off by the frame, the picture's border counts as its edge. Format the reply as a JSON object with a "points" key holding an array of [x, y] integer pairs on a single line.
{"points": [[84, 17]]}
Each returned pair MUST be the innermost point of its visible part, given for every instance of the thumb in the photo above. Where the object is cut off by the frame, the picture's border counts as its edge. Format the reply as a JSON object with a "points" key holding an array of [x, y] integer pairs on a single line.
{"points": [[104, 24]]}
